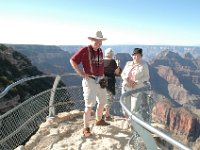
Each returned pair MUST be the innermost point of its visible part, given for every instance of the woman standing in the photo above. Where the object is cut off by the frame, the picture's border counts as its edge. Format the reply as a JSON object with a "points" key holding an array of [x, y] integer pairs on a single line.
{"points": [[111, 69], [134, 76]]}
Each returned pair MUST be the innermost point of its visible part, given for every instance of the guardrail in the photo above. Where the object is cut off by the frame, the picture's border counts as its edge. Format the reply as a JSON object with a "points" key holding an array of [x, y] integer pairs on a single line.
{"points": [[144, 129], [5, 91], [18, 124]]}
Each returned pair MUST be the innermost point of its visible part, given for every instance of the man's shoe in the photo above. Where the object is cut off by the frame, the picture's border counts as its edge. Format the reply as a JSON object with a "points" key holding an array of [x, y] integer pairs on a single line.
{"points": [[102, 123], [86, 132]]}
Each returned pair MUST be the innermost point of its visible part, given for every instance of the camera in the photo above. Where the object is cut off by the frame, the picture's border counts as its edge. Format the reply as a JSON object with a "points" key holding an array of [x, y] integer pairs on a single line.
{"points": [[103, 83]]}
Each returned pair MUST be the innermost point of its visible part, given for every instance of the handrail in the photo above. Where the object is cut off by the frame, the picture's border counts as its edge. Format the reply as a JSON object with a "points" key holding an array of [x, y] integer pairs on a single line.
{"points": [[56, 81], [6, 90], [146, 125]]}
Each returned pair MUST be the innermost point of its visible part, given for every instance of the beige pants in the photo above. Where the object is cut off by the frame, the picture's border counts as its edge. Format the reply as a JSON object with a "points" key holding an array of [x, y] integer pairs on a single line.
{"points": [[92, 92]]}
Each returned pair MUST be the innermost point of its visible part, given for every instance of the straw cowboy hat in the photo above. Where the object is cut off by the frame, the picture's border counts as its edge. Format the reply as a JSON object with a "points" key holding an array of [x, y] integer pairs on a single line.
{"points": [[98, 36]]}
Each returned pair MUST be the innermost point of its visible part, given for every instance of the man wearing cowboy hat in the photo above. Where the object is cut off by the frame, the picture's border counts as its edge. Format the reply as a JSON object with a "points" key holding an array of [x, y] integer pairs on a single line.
{"points": [[91, 58]]}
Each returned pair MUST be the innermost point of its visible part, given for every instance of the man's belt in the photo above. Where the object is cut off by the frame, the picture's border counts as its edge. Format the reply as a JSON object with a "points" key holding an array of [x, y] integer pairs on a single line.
{"points": [[96, 78], [93, 77]]}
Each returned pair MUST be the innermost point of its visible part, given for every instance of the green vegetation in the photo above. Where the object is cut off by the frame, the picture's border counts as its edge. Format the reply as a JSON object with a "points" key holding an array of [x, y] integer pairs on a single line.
{"points": [[3, 47], [15, 66], [19, 56]]}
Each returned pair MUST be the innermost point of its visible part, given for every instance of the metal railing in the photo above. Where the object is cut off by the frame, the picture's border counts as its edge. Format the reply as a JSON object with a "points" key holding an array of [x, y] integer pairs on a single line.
{"points": [[143, 128], [18, 124], [8, 88]]}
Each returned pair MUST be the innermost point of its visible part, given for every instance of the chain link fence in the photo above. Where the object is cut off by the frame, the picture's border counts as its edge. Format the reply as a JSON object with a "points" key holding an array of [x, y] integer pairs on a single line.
{"points": [[20, 123]]}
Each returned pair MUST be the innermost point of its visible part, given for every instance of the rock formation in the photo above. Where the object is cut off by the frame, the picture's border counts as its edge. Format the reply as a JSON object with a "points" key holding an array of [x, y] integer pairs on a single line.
{"points": [[178, 120]]}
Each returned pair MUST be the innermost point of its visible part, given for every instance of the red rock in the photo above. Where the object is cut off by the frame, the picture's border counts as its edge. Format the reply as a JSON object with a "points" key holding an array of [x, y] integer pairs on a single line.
{"points": [[179, 121]]}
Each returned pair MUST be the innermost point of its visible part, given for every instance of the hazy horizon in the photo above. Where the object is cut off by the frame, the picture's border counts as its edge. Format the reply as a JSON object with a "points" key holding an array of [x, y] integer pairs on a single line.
{"points": [[48, 22], [102, 44]]}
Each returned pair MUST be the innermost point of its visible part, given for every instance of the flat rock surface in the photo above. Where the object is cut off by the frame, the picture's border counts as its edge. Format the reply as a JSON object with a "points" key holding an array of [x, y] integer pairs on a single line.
{"points": [[65, 133]]}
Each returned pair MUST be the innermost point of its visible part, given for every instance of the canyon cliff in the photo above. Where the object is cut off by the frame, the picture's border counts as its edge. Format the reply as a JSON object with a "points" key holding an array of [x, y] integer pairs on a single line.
{"points": [[179, 121]]}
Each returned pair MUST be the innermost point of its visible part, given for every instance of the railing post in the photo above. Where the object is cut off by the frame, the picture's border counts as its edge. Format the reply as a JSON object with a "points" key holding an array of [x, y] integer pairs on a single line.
{"points": [[51, 101]]}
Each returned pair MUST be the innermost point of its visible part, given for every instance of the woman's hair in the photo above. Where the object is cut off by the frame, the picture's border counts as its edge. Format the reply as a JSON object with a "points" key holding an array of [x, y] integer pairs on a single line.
{"points": [[109, 52]]}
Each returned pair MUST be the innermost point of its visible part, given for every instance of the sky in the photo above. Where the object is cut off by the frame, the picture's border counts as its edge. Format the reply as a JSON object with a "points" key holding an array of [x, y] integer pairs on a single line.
{"points": [[70, 22]]}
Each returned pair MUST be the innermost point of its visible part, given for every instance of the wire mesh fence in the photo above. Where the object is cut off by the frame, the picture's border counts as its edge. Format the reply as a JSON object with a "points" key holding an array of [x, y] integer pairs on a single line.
{"points": [[24, 120], [18, 124], [21, 122], [144, 112]]}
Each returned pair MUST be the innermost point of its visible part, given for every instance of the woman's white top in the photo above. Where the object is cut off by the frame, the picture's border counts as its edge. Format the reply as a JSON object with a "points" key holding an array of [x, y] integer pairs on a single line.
{"points": [[136, 72]]}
